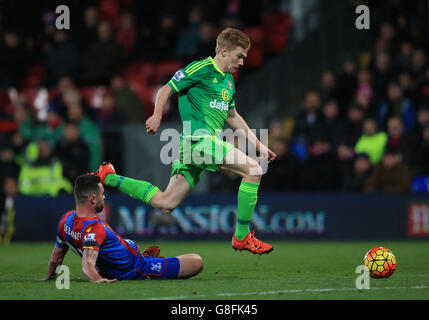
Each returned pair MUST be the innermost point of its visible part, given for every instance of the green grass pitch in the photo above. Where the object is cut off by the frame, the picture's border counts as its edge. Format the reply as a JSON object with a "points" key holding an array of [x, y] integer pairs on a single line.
{"points": [[294, 270]]}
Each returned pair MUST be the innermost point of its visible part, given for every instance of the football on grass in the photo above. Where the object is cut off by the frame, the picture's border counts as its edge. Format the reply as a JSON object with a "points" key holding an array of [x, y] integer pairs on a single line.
{"points": [[381, 262]]}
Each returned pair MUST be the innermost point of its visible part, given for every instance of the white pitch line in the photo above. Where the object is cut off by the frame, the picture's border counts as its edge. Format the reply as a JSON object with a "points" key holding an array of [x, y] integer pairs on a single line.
{"points": [[232, 294]]}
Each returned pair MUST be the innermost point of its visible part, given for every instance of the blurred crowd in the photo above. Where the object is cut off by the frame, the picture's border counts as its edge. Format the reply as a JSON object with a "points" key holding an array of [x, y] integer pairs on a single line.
{"points": [[64, 93], [365, 126]]}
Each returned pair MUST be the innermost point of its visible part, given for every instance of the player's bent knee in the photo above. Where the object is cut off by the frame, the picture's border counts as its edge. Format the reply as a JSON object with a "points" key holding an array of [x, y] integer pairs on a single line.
{"points": [[169, 207], [190, 265], [162, 202]]}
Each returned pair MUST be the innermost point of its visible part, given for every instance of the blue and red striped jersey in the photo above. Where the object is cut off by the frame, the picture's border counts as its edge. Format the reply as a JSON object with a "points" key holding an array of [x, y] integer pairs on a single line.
{"points": [[116, 257]]}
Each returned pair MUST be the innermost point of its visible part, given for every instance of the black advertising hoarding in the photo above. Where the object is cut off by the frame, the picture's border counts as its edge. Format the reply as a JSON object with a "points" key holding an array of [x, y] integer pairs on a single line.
{"points": [[213, 216]]}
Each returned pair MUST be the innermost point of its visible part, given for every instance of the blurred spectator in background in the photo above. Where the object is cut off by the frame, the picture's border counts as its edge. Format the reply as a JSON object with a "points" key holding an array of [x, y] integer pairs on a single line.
{"points": [[107, 114], [7, 209], [276, 130], [207, 41], [396, 105], [356, 178], [320, 169], [328, 89], [422, 121], [330, 125], [409, 88], [102, 59], [307, 118], [352, 124], [347, 84], [18, 145], [8, 164], [382, 74], [400, 139], [61, 95], [89, 132], [87, 33], [418, 66], [422, 154], [283, 174], [404, 60], [165, 38], [387, 36], [422, 90], [391, 175], [62, 59], [189, 38], [345, 156], [42, 173], [31, 128], [372, 142], [126, 35], [13, 60], [126, 100], [364, 92], [73, 152]]}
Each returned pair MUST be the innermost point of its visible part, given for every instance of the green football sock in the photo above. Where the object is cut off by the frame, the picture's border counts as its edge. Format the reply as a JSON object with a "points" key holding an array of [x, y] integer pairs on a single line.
{"points": [[137, 189], [247, 198]]}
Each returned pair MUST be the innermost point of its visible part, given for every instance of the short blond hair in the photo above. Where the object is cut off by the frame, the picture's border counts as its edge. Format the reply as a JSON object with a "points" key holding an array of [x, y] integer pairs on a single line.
{"points": [[232, 38]]}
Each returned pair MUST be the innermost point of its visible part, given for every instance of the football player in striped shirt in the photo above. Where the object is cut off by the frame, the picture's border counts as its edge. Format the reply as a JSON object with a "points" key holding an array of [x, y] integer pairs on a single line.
{"points": [[106, 256]]}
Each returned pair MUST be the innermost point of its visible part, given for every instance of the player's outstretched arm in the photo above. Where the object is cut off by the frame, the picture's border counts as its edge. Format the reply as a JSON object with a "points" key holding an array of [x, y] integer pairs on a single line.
{"points": [[56, 260], [236, 122], [89, 258], [152, 124]]}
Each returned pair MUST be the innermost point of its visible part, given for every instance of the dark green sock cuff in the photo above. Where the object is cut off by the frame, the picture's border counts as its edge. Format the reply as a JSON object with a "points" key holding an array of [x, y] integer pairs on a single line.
{"points": [[243, 222]]}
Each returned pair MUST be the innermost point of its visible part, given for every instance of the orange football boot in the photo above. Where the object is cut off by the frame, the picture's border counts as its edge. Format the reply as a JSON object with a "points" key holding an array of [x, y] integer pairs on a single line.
{"points": [[103, 171], [252, 244]]}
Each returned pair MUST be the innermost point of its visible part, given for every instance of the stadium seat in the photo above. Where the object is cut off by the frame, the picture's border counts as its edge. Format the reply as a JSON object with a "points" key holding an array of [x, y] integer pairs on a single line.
{"points": [[278, 22], [166, 70], [136, 78], [34, 76], [93, 95], [420, 184], [255, 56], [109, 10], [147, 70], [277, 27], [7, 126], [132, 68], [140, 72], [6, 106], [256, 35], [146, 94], [30, 95]]}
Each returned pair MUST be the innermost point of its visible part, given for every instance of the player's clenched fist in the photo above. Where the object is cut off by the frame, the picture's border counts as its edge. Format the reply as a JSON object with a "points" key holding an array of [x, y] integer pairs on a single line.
{"points": [[152, 124]]}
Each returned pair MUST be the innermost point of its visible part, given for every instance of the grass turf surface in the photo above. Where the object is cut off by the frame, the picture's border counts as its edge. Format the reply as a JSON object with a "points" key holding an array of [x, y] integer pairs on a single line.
{"points": [[294, 270]]}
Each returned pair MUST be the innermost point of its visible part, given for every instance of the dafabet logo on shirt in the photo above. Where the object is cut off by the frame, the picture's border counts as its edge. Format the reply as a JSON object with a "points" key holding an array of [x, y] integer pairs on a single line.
{"points": [[222, 105]]}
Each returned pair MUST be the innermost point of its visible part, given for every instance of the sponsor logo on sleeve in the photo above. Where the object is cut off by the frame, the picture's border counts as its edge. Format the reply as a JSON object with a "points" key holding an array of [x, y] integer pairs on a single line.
{"points": [[178, 75], [89, 237]]}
